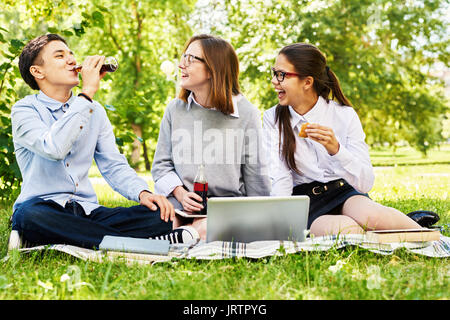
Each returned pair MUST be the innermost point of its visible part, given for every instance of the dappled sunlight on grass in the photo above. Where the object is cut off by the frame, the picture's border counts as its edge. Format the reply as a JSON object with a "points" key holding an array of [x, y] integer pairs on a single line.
{"points": [[108, 197], [410, 188]]}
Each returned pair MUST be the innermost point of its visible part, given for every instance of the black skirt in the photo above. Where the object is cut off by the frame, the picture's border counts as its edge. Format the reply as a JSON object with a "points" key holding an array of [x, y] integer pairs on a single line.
{"points": [[326, 198]]}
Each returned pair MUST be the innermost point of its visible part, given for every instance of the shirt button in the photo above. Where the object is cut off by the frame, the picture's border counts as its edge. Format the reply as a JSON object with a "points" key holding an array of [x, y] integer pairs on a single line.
{"points": [[90, 110], [76, 184], [81, 127], [67, 165]]}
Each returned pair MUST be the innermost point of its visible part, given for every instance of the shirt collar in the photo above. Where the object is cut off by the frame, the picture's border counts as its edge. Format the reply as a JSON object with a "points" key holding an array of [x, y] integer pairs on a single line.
{"points": [[312, 116], [234, 99], [53, 104]]}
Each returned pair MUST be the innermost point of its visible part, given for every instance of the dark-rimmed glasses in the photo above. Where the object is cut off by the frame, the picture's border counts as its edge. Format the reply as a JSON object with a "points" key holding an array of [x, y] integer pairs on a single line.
{"points": [[281, 74], [187, 59]]}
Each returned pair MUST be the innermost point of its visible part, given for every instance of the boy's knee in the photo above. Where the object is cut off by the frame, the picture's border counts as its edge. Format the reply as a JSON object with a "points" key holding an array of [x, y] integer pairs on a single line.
{"points": [[26, 214]]}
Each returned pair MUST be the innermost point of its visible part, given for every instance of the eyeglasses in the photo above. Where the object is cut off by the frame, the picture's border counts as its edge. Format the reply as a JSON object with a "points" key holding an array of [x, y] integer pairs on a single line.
{"points": [[281, 74], [187, 59]]}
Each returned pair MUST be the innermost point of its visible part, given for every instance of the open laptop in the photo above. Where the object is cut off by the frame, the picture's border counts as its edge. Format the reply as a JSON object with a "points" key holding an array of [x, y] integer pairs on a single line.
{"points": [[247, 219]]}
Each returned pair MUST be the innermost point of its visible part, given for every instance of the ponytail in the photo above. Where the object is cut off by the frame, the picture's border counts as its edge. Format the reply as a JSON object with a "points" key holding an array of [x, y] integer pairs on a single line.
{"points": [[336, 91], [327, 84]]}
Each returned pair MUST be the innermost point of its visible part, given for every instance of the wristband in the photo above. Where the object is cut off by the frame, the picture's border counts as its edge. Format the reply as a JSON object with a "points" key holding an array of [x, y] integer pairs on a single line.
{"points": [[85, 96]]}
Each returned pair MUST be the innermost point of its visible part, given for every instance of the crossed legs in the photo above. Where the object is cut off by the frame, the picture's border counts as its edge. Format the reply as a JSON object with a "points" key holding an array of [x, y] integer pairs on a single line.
{"points": [[45, 221], [360, 213]]}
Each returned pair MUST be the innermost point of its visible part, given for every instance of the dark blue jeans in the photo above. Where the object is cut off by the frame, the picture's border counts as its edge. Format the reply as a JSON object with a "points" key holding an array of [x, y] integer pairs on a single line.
{"points": [[46, 222]]}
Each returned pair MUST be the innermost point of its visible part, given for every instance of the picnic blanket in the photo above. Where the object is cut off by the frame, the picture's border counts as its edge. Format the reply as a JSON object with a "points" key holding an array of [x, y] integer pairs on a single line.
{"points": [[255, 250]]}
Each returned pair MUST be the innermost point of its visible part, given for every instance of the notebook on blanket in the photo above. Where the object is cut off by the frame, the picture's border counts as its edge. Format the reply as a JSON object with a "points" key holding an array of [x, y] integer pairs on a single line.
{"points": [[247, 219], [134, 245]]}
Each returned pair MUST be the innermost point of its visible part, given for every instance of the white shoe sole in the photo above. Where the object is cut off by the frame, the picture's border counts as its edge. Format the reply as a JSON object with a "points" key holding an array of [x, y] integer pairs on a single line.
{"points": [[15, 241]]}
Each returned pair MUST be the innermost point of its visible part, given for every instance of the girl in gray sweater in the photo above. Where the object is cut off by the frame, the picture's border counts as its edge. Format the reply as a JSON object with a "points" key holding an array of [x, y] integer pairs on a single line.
{"points": [[213, 124]]}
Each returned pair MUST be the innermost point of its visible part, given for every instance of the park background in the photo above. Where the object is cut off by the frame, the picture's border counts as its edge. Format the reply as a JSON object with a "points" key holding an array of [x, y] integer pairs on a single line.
{"points": [[391, 57]]}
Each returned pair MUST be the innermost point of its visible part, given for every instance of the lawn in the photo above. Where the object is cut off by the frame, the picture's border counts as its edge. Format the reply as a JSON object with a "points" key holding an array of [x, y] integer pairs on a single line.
{"points": [[350, 273], [409, 156]]}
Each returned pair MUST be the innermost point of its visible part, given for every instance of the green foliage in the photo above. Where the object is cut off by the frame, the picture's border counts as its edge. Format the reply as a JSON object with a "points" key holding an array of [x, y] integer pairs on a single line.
{"points": [[9, 170], [382, 52], [141, 40], [43, 17]]}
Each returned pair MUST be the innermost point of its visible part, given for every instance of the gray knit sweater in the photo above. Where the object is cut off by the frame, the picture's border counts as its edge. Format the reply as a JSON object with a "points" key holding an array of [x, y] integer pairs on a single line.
{"points": [[229, 146]]}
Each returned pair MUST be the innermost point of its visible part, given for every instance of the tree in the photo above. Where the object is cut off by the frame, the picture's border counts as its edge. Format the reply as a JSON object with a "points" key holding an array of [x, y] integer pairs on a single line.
{"points": [[9, 170], [141, 39], [381, 51], [23, 22]]}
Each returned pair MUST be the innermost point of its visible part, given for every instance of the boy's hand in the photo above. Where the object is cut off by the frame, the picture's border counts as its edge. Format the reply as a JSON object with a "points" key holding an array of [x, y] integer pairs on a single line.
{"points": [[90, 73], [153, 201]]}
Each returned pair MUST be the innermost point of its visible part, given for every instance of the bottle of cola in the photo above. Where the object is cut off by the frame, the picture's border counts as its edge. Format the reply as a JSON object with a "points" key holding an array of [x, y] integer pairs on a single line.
{"points": [[110, 65], [201, 187], [106, 67]]}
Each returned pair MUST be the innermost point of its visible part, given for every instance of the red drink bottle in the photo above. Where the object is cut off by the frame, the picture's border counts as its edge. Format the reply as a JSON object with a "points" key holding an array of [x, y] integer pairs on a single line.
{"points": [[110, 65], [107, 67], [201, 187]]}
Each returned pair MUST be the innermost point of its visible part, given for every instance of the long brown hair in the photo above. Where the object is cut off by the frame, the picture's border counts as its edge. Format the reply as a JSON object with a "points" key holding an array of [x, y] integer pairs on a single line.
{"points": [[307, 61], [223, 64]]}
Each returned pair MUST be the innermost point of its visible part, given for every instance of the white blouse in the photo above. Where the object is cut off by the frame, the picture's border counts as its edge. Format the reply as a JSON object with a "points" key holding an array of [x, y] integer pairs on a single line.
{"points": [[351, 162]]}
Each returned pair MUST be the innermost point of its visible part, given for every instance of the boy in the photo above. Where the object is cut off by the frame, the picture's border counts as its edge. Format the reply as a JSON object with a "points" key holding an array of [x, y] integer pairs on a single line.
{"points": [[56, 135]]}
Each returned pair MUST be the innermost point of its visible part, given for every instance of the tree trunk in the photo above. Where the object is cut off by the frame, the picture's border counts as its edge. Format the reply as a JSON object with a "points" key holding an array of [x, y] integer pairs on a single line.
{"points": [[137, 129], [135, 154], [148, 166]]}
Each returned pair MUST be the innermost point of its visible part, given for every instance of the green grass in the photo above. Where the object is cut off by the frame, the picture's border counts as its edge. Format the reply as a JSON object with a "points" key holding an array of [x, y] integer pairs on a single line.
{"points": [[307, 275], [409, 156]]}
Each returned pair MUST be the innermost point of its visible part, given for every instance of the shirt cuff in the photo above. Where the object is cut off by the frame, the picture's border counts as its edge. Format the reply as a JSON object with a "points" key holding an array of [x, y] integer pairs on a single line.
{"points": [[82, 106], [281, 186], [167, 183], [139, 194], [138, 189], [343, 156]]}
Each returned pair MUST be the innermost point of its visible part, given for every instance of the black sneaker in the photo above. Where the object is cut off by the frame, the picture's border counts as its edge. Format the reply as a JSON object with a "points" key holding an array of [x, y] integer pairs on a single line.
{"points": [[182, 234], [424, 218]]}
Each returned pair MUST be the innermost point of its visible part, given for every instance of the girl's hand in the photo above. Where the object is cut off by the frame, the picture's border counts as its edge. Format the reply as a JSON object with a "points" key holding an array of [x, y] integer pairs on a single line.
{"points": [[189, 200], [323, 135]]}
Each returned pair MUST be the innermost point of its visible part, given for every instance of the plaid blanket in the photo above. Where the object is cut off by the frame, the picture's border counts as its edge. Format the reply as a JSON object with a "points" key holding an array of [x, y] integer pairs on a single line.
{"points": [[255, 250], [261, 249]]}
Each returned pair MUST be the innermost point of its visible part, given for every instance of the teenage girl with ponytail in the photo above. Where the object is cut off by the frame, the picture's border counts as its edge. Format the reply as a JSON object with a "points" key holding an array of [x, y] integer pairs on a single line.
{"points": [[332, 164]]}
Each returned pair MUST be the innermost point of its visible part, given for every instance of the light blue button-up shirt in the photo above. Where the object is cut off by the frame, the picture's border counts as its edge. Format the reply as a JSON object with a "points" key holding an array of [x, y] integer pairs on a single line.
{"points": [[55, 146]]}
